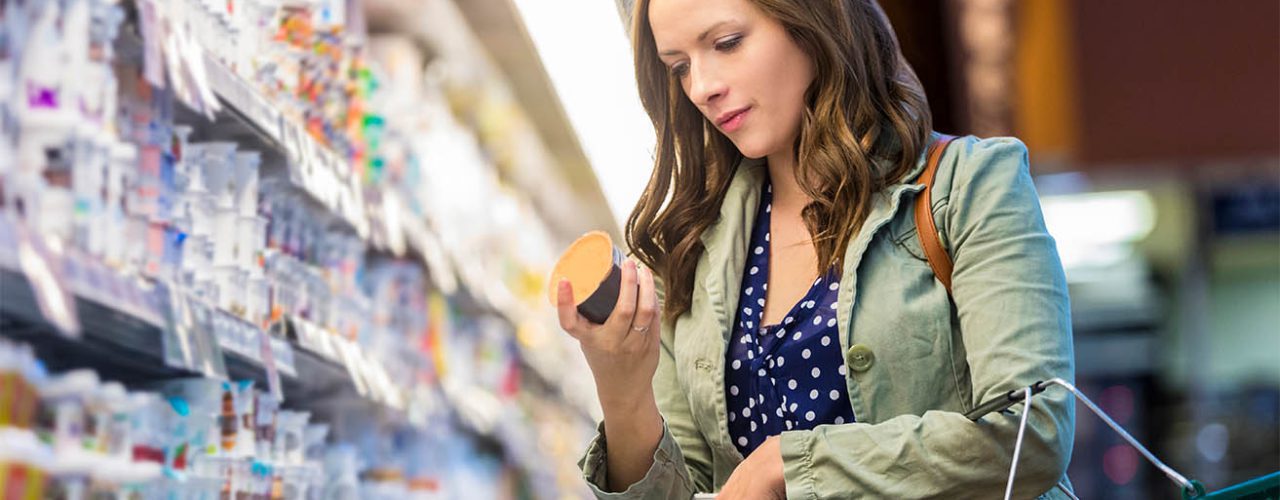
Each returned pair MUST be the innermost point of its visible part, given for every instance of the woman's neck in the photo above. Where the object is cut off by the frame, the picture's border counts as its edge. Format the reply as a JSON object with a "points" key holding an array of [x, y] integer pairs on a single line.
{"points": [[787, 195]]}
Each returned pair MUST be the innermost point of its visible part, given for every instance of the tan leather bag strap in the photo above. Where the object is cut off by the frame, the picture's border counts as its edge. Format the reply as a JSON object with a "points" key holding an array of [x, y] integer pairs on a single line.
{"points": [[930, 241]]}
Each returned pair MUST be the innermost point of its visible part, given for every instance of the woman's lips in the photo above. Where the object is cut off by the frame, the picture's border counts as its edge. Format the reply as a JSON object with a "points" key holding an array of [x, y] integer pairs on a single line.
{"points": [[734, 121]]}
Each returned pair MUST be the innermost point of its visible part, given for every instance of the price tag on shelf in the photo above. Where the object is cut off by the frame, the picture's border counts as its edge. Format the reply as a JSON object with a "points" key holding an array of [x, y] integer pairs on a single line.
{"points": [[262, 112], [91, 281], [8, 245], [267, 354], [155, 301], [227, 336], [307, 336], [181, 351], [390, 395], [303, 333], [194, 329], [76, 276], [283, 355], [277, 127], [132, 298], [370, 374], [328, 345], [230, 336], [290, 158], [250, 339], [117, 292], [314, 170], [198, 70], [326, 188], [218, 327], [292, 149], [352, 201], [351, 359], [43, 272]]}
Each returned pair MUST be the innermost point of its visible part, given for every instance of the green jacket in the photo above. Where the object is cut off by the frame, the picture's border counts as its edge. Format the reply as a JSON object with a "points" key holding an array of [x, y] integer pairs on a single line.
{"points": [[916, 363]]}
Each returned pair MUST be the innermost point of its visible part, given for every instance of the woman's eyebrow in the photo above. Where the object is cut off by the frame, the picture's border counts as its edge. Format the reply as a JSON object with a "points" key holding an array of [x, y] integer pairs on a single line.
{"points": [[701, 37]]}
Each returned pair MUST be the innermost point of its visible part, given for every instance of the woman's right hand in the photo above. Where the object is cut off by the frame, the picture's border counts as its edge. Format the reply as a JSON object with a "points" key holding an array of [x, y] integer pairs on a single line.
{"points": [[623, 356], [623, 352]]}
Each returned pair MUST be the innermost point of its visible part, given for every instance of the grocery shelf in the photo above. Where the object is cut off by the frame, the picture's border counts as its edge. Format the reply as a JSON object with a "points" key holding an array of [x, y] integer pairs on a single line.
{"points": [[125, 348], [118, 343], [249, 118]]}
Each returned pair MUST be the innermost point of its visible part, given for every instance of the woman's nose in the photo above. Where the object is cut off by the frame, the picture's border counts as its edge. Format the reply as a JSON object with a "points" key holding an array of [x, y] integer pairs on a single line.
{"points": [[705, 85]]}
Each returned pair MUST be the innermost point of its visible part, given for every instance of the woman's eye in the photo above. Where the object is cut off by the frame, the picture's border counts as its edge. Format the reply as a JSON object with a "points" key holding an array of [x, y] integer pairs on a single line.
{"points": [[728, 44], [679, 70]]}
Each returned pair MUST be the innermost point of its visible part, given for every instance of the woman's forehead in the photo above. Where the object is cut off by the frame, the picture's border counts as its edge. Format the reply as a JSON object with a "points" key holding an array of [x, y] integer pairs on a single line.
{"points": [[676, 23]]}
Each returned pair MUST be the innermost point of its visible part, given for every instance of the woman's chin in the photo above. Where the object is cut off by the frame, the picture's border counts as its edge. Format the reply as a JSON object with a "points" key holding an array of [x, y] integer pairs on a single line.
{"points": [[752, 151]]}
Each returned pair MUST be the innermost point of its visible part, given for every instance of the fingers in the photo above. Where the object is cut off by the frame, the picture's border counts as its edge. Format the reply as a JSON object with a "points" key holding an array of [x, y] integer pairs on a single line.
{"points": [[647, 308], [648, 313], [565, 307], [624, 310]]}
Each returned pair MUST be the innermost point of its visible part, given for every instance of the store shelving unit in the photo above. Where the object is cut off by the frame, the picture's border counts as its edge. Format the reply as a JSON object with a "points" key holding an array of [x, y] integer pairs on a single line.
{"points": [[131, 349], [140, 332]]}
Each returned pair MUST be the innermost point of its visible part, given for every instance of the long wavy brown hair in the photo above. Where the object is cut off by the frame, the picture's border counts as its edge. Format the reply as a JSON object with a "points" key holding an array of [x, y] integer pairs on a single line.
{"points": [[864, 104]]}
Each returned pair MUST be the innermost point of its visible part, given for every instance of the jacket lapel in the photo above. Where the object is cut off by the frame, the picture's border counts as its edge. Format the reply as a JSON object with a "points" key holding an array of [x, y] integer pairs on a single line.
{"points": [[885, 205], [726, 241]]}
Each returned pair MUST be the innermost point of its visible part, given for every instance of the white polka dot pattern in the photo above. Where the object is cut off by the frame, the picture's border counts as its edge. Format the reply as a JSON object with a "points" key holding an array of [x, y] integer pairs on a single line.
{"points": [[765, 393]]}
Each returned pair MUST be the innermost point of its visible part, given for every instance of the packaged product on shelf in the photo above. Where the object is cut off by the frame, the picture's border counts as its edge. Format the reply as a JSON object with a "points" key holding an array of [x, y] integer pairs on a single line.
{"points": [[341, 473], [100, 407], [119, 178], [265, 423], [61, 420], [20, 376], [25, 459], [232, 429], [228, 423], [24, 464], [246, 429], [196, 431], [63, 425], [63, 113], [150, 422], [88, 183], [44, 105], [290, 433]]}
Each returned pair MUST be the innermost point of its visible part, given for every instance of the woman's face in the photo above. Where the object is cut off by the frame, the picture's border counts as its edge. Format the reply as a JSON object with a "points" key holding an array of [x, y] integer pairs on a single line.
{"points": [[738, 66]]}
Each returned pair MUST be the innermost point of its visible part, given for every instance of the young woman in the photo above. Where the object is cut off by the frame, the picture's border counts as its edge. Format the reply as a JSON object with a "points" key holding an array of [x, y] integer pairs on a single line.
{"points": [[792, 340]]}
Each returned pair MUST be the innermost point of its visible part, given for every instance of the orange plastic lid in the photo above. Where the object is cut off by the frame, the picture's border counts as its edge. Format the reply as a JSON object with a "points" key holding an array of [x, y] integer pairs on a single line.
{"points": [[585, 264]]}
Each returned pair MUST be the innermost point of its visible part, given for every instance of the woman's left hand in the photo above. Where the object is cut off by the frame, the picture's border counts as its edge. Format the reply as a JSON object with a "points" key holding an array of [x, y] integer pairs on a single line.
{"points": [[759, 476]]}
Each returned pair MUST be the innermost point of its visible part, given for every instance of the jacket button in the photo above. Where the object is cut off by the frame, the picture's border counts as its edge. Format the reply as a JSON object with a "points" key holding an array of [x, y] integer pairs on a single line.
{"points": [[859, 358]]}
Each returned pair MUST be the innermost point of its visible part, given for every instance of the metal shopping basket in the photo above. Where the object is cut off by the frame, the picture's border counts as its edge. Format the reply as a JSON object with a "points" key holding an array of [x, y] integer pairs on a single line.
{"points": [[1262, 488]]}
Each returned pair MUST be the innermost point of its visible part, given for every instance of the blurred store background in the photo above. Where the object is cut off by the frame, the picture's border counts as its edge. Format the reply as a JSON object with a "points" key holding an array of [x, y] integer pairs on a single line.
{"points": [[1154, 130], [296, 248]]}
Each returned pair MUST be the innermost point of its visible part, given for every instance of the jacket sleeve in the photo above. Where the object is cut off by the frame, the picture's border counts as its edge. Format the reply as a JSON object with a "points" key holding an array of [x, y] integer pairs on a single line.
{"points": [[682, 462], [1010, 295]]}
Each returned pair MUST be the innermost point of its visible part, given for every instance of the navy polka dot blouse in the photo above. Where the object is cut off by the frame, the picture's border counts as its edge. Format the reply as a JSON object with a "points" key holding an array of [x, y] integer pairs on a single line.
{"points": [[789, 375]]}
